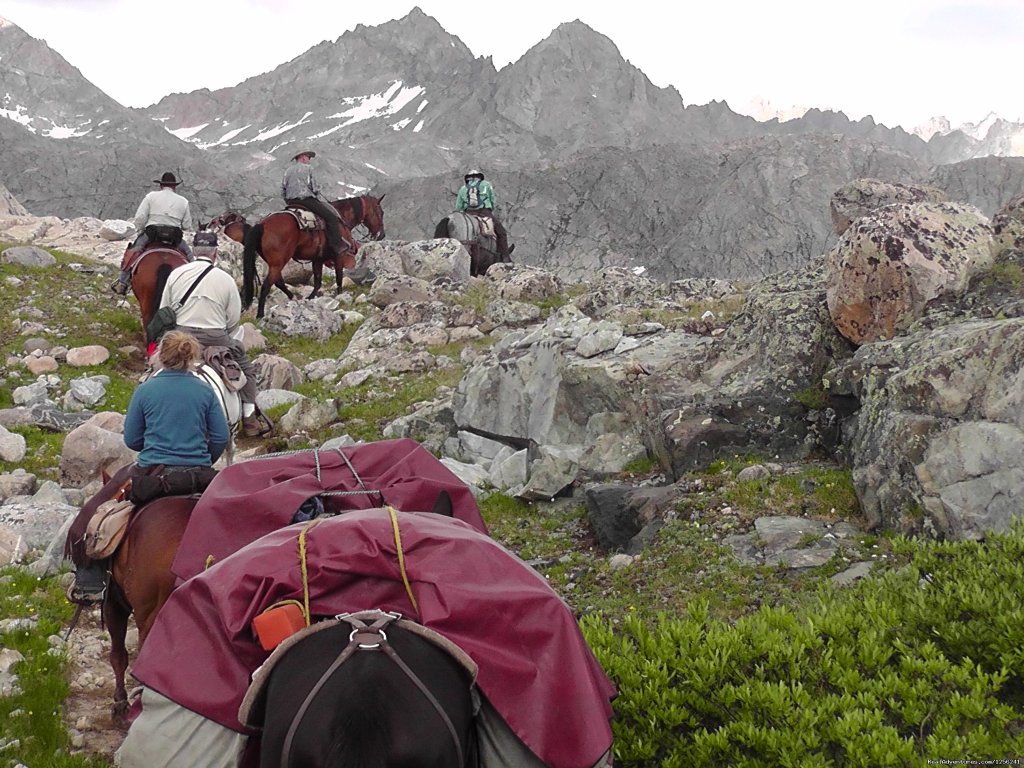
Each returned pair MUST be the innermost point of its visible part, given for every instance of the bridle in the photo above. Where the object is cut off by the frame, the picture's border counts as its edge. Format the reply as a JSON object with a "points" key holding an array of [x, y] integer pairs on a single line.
{"points": [[366, 637], [359, 218]]}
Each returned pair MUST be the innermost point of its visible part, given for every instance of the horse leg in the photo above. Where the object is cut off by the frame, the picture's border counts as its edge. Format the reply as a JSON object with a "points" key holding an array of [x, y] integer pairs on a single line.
{"points": [[115, 616], [318, 276], [273, 278]]}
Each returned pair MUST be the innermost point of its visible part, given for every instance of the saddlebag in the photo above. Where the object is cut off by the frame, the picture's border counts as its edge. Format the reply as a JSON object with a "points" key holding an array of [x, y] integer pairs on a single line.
{"points": [[181, 482], [164, 233], [107, 527]]}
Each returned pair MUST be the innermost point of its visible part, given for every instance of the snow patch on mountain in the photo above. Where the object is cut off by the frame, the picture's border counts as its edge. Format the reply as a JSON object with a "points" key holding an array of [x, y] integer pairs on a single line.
{"points": [[383, 104], [223, 139], [186, 133], [5, 23], [19, 115]]}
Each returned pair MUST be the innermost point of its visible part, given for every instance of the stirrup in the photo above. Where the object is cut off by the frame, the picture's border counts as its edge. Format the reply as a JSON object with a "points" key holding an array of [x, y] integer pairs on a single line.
{"points": [[85, 597], [121, 289]]}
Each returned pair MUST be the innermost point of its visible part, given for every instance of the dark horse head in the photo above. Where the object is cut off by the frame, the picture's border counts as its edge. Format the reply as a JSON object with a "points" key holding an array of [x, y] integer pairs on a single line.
{"points": [[344, 697], [365, 210]]}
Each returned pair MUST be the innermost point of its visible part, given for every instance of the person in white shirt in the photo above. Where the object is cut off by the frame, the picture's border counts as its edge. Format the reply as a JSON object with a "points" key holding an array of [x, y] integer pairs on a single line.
{"points": [[211, 313], [163, 215]]}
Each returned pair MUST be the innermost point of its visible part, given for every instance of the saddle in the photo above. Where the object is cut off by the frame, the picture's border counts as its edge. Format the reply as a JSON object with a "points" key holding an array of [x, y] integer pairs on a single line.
{"points": [[230, 372], [132, 255], [305, 218], [486, 224]]}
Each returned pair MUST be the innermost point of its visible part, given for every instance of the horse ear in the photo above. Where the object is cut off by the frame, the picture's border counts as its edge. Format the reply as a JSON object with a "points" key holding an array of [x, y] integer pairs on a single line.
{"points": [[104, 475], [203, 226], [381, 198]]}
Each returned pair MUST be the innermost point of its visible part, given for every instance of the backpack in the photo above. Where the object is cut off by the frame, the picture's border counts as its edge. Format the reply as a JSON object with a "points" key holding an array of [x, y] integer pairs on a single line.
{"points": [[473, 196]]}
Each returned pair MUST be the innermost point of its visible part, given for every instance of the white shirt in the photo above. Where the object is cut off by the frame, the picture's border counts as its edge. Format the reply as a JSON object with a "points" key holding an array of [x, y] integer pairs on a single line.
{"points": [[213, 305], [164, 207]]}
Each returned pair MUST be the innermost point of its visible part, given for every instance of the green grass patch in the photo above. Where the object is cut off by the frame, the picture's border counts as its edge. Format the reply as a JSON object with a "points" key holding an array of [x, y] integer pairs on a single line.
{"points": [[812, 398], [31, 720], [1005, 274], [815, 491], [365, 410]]}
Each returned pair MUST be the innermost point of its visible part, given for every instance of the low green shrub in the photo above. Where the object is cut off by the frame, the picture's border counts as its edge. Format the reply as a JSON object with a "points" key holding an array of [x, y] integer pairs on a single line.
{"points": [[922, 663]]}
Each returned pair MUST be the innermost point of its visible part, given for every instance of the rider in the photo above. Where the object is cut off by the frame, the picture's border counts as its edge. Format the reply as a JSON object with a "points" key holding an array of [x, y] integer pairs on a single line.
{"points": [[161, 211], [176, 423], [477, 197], [211, 314], [299, 187]]}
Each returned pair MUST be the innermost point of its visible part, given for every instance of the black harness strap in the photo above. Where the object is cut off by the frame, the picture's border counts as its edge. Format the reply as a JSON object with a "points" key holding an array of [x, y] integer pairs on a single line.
{"points": [[366, 637]]}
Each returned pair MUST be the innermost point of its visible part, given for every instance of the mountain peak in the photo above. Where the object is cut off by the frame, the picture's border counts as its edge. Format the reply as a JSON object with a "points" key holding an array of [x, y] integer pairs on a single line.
{"points": [[6, 23]]}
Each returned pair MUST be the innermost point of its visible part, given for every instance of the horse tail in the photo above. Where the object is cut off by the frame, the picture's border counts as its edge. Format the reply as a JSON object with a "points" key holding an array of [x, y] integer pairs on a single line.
{"points": [[251, 237], [441, 230], [162, 273]]}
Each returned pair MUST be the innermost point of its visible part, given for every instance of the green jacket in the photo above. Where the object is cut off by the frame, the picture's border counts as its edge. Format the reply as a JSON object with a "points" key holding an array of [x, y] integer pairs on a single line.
{"points": [[485, 192]]}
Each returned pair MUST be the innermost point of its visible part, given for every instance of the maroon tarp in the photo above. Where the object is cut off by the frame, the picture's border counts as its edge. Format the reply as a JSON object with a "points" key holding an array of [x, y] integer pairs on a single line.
{"points": [[253, 498], [535, 667]]}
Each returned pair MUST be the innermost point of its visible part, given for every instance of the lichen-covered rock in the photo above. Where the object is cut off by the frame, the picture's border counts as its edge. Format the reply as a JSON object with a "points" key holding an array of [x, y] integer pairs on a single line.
{"points": [[1008, 227], [861, 197], [936, 444], [888, 265]]}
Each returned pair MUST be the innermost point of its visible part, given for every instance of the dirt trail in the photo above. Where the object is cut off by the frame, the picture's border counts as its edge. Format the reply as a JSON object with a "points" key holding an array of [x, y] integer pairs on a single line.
{"points": [[87, 708]]}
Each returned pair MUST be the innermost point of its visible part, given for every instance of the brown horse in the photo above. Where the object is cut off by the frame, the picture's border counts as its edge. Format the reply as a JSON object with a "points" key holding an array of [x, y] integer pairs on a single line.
{"points": [[278, 239], [365, 210], [140, 570], [150, 276]]}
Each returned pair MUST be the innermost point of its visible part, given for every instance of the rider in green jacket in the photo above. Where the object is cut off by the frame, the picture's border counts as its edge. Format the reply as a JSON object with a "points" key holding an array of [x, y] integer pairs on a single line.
{"points": [[477, 197]]}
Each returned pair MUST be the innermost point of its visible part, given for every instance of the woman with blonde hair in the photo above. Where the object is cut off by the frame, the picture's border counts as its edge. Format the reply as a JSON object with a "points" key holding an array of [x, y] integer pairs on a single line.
{"points": [[176, 424], [174, 418]]}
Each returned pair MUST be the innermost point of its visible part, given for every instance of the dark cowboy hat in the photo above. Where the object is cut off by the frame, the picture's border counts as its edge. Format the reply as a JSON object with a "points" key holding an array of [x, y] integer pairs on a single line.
{"points": [[305, 152], [167, 180]]}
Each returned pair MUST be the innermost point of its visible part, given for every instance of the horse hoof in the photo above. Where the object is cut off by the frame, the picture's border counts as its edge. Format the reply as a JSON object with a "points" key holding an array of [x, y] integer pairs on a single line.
{"points": [[119, 712]]}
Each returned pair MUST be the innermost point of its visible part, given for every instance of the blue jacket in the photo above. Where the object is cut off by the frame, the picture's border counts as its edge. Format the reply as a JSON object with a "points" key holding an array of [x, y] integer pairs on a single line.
{"points": [[174, 418]]}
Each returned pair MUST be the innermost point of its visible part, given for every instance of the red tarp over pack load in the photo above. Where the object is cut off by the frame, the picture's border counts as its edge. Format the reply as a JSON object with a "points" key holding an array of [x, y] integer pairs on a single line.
{"points": [[534, 665], [253, 498]]}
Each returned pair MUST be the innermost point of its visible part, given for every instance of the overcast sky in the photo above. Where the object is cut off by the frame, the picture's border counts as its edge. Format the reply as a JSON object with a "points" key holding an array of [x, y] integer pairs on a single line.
{"points": [[901, 61]]}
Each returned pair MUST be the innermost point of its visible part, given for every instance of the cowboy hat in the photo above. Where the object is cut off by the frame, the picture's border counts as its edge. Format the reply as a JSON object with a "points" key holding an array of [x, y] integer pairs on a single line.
{"points": [[167, 180], [475, 172], [306, 152]]}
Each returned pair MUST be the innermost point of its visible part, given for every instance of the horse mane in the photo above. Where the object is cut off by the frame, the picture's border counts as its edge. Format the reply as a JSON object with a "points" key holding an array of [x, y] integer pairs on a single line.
{"points": [[361, 736]]}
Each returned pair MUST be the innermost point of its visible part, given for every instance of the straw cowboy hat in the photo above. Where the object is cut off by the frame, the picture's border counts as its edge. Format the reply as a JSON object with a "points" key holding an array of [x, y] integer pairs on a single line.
{"points": [[310, 154], [167, 180]]}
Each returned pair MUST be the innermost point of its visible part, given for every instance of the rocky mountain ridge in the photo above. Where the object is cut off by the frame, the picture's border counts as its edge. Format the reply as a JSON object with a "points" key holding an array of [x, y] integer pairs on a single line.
{"points": [[594, 164]]}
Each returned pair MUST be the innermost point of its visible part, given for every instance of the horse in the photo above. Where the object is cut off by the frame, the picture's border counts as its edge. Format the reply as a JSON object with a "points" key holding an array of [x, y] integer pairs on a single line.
{"points": [[483, 249], [367, 694], [365, 210], [150, 276], [279, 239], [140, 571]]}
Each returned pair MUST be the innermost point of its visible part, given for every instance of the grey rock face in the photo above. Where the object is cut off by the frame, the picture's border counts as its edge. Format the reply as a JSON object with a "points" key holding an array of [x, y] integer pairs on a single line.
{"points": [[934, 444]]}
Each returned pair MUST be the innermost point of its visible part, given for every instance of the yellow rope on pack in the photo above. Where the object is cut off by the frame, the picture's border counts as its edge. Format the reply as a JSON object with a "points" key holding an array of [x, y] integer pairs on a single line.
{"points": [[304, 569], [401, 558], [208, 563]]}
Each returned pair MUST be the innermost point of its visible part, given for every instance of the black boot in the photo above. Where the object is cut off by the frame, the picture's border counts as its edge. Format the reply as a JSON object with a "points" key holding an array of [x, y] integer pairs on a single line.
{"points": [[90, 583]]}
